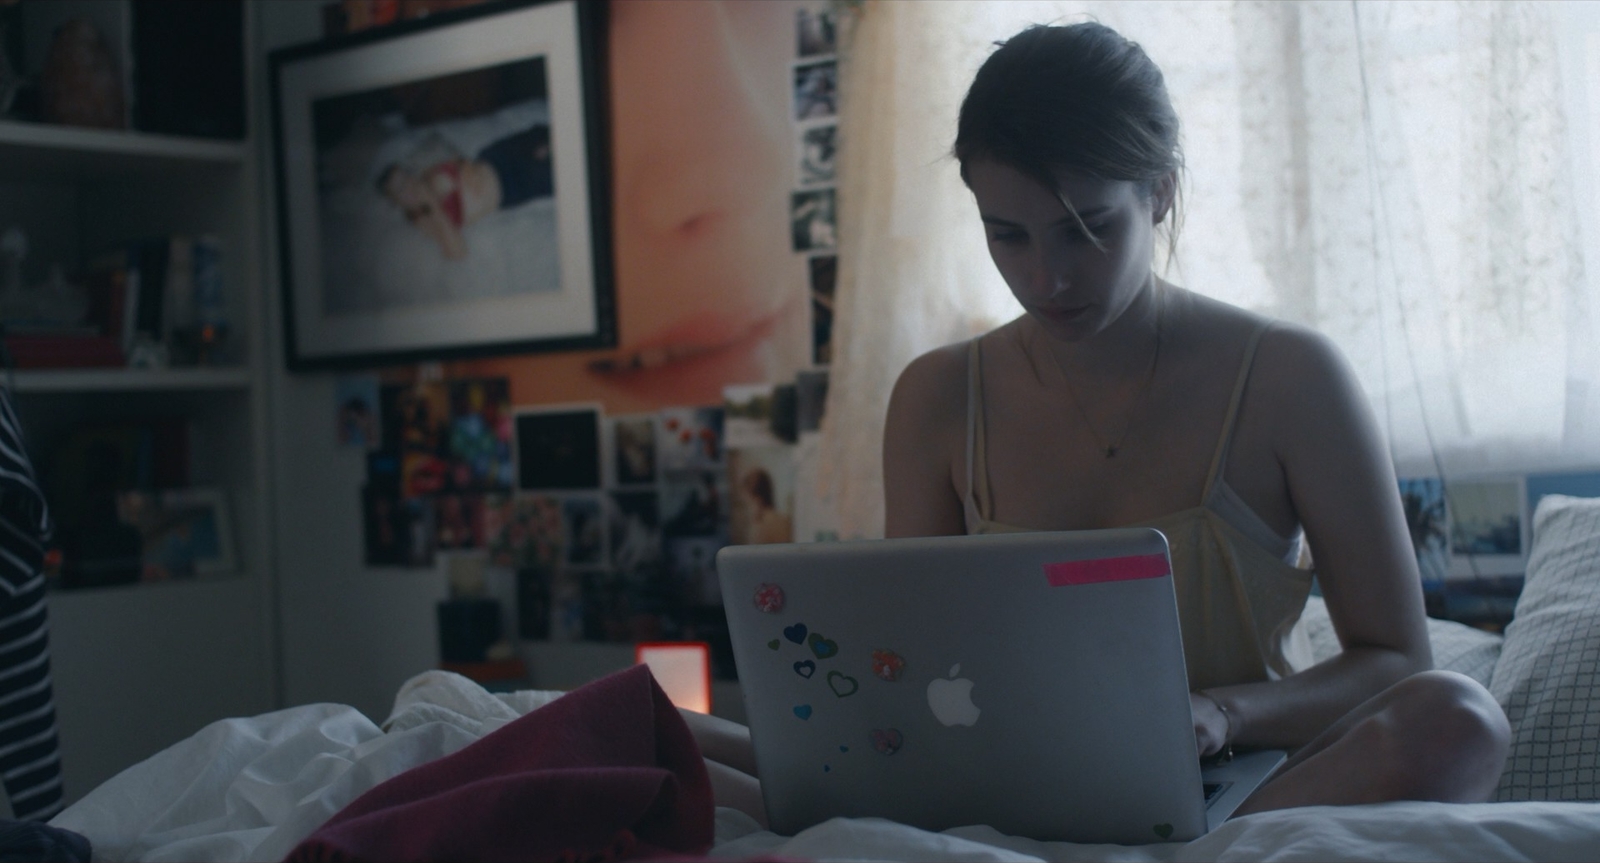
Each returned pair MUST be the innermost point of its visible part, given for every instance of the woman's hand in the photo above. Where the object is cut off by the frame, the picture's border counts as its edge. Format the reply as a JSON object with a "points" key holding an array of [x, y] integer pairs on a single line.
{"points": [[1210, 724]]}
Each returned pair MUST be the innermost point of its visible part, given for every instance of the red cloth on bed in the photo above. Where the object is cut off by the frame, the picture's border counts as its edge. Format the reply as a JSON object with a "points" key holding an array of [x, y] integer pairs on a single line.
{"points": [[607, 771]]}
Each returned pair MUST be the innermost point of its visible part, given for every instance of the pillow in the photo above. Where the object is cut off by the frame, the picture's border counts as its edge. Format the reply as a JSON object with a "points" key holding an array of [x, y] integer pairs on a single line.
{"points": [[1456, 646], [1548, 676]]}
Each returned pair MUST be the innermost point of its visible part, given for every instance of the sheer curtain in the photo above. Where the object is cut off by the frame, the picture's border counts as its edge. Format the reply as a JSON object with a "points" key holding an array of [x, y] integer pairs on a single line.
{"points": [[1410, 178]]}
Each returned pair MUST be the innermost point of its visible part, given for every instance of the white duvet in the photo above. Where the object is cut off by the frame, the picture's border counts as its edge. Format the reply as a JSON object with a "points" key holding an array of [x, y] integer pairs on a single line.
{"points": [[251, 789]]}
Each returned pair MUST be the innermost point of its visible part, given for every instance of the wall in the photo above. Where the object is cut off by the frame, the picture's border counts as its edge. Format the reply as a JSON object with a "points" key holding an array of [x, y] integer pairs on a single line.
{"points": [[704, 166]]}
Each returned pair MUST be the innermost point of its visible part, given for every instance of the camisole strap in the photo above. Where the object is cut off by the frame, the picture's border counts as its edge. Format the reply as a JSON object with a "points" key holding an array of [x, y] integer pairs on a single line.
{"points": [[1220, 460], [972, 503]]}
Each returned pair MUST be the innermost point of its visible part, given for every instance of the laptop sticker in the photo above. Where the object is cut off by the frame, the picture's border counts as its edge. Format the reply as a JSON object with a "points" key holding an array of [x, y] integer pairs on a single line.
{"points": [[1075, 572], [805, 668], [887, 665], [803, 711], [769, 598], [1163, 830], [796, 633], [843, 748], [773, 644], [887, 740], [843, 685], [823, 647]]}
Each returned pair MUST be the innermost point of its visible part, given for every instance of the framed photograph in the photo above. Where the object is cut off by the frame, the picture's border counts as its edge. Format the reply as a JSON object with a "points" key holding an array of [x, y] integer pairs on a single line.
{"points": [[442, 189], [558, 448], [1487, 536], [184, 533], [1422, 499]]}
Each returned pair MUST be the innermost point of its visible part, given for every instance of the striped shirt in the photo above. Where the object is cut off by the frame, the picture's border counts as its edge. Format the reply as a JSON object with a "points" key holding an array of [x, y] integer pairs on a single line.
{"points": [[30, 764]]}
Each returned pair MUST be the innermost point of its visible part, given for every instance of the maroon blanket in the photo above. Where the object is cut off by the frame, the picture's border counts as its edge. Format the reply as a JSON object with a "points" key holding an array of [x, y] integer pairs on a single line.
{"points": [[606, 771]]}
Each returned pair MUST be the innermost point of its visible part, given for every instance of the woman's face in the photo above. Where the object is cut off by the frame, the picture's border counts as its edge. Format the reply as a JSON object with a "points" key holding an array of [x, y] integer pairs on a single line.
{"points": [[1073, 289]]}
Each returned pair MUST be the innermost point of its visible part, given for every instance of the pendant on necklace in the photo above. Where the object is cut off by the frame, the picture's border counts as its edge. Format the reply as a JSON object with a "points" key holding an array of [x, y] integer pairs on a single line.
{"points": [[1111, 451]]}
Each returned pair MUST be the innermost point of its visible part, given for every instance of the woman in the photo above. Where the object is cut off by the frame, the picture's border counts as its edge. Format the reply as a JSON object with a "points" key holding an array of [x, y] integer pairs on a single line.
{"points": [[1118, 399], [452, 192]]}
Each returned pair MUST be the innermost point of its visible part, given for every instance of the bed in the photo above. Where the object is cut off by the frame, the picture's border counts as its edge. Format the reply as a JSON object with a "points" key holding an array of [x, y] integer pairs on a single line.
{"points": [[256, 788]]}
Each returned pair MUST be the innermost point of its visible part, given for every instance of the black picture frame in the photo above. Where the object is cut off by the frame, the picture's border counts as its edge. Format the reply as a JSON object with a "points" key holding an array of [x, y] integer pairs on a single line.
{"points": [[387, 256]]}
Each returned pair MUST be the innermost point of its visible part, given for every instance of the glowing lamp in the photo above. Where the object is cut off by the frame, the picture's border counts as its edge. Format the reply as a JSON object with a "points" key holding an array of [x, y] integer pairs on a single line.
{"points": [[682, 668]]}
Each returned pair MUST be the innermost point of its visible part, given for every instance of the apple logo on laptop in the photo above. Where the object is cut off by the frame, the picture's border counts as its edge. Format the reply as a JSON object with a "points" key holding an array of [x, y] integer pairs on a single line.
{"points": [[951, 699]]}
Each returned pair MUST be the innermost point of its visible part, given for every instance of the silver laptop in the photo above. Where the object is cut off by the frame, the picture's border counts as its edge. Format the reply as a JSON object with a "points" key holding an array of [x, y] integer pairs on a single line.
{"points": [[1033, 682]]}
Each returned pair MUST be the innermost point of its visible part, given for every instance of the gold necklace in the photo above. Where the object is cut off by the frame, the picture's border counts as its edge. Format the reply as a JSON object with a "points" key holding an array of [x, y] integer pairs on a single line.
{"points": [[1110, 447]]}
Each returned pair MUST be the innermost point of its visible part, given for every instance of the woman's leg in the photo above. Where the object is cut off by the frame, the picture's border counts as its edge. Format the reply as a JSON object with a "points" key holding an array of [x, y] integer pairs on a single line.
{"points": [[730, 762], [1437, 735]]}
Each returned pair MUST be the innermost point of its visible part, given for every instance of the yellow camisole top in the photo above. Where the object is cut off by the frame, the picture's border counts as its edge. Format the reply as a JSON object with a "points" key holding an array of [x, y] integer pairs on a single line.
{"points": [[1239, 592]]}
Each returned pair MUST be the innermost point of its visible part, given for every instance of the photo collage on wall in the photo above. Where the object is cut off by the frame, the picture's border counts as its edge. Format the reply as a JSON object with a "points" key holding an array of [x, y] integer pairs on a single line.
{"points": [[610, 523], [1472, 538], [813, 206]]}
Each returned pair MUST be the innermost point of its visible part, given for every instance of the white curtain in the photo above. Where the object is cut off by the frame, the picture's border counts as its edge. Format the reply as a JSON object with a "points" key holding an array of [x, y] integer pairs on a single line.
{"points": [[1410, 178]]}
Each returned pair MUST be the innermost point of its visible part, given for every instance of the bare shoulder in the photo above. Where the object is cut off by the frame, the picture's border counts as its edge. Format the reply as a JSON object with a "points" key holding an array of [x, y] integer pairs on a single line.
{"points": [[1303, 372], [932, 388]]}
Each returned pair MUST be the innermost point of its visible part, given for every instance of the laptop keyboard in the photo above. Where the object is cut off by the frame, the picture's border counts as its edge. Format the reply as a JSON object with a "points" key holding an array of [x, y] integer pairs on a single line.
{"points": [[1214, 790]]}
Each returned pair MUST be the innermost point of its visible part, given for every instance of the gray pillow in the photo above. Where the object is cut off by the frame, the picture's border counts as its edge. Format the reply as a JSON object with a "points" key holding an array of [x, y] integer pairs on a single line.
{"points": [[1548, 676]]}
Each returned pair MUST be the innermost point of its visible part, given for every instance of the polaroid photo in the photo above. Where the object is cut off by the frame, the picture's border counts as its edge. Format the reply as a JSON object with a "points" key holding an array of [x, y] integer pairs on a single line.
{"points": [[761, 481], [524, 531], [824, 273], [634, 524], [750, 416], [632, 445], [817, 152], [816, 33], [1427, 518], [811, 399], [360, 426], [480, 435], [692, 561], [816, 90], [812, 221], [558, 448], [1487, 527], [690, 438], [585, 536], [458, 521], [694, 504], [182, 533]]}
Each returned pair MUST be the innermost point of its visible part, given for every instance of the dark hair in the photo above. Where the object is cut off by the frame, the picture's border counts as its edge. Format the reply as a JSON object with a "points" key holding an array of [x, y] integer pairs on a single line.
{"points": [[1080, 97], [759, 484]]}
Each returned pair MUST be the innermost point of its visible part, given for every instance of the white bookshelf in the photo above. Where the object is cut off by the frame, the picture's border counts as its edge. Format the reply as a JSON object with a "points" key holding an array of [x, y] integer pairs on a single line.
{"points": [[131, 380], [139, 667]]}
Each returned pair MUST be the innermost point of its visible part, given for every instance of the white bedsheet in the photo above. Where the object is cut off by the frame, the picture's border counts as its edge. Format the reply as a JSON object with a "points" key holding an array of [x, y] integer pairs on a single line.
{"points": [[250, 789]]}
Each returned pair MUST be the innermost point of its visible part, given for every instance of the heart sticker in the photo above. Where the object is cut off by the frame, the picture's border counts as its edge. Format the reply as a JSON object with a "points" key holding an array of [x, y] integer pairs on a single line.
{"points": [[769, 598], [887, 665], [843, 685], [887, 740], [803, 711], [796, 633], [805, 668], [1163, 830], [773, 644], [822, 647]]}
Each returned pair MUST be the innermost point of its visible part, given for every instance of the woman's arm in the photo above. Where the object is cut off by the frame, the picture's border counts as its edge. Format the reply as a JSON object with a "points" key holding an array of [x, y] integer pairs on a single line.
{"points": [[1342, 484], [444, 232], [924, 432]]}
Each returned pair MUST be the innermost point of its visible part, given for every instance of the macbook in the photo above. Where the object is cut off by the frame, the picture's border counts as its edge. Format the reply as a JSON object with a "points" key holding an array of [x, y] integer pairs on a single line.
{"points": [[1032, 682]]}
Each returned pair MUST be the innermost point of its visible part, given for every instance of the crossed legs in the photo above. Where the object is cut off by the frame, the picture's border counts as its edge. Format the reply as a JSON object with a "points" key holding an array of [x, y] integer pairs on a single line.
{"points": [[1437, 735]]}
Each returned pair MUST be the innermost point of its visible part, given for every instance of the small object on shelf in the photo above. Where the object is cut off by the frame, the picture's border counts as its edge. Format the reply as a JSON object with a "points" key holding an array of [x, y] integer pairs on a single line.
{"points": [[188, 67], [30, 351], [80, 82]]}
